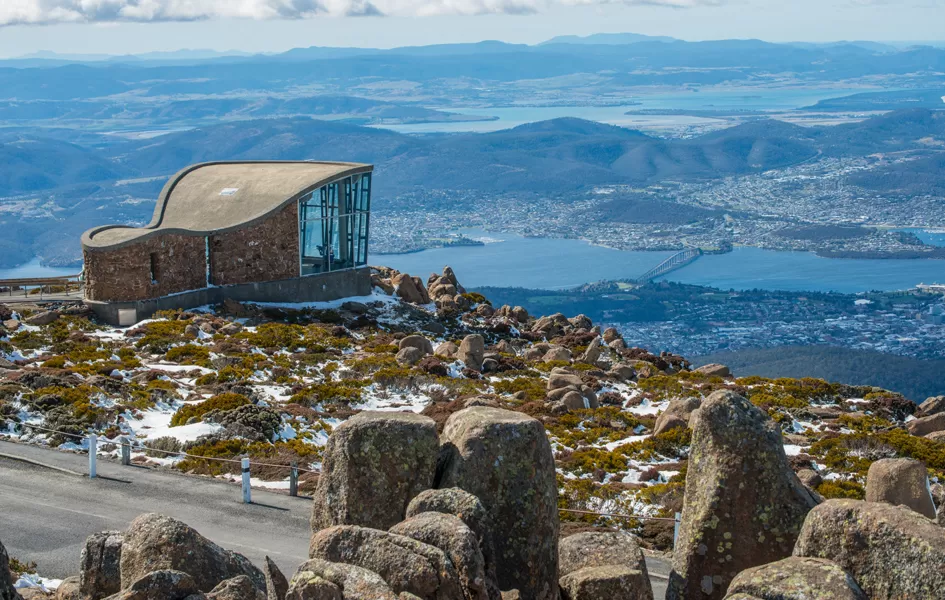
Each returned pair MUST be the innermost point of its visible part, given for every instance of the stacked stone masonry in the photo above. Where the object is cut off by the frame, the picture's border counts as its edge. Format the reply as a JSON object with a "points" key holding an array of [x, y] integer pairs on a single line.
{"points": [[268, 251]]}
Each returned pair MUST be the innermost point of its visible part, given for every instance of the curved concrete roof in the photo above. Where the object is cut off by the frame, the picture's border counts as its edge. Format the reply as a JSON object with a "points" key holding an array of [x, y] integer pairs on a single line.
{"points": [[211, 198]]}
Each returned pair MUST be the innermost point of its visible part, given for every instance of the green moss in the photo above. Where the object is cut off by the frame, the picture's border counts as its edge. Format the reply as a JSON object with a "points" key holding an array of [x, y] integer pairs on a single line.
{"points": [[227, 374], [330, 392], [161, 336], [476, 298], [56, 362], [189, 354], [227, 401], [841, 489], [534, 387], [673, 444]]}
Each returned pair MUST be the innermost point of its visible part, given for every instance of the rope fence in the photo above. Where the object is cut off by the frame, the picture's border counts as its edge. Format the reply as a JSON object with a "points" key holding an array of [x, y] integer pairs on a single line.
{"points": [[245, 463]]}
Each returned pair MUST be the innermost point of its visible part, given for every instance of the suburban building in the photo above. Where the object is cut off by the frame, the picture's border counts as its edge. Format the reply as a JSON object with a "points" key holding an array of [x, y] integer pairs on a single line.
{"points": [[246, 231]]}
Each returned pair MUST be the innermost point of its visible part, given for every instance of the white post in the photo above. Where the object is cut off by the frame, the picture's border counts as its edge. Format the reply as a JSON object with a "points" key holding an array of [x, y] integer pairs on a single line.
{"points": [[93, 451], [676, 529], [247, 497], [125, 451], [294, 479]]}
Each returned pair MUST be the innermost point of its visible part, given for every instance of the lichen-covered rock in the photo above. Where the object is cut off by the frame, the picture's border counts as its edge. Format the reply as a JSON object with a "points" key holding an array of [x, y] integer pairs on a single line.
{"points": [[249, 421], [593, 352], [891, 551], [158, 543], [504, 458], [374, 463], [472, 351], [417, 341], [100, 564], [677, 414], [557, 354], [610, 582], [603, 548], [323, 580], [458, 542], [7, 591], [796, 578], [162, 584], [900, 481], [409, 356], [277, 586], [714, 370], [810, 478], [237, 588], [468, 509], [743, 507], [410, 289], [406, 564], [69, 589]]}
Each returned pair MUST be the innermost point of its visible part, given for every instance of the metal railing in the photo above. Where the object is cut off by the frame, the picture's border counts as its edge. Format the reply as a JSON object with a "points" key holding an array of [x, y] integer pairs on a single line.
{"points": [[294, 472], [46, 285]]}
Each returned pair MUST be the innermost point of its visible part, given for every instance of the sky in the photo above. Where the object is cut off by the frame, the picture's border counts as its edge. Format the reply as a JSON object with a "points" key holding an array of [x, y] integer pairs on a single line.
{"points": [[137, 26]]}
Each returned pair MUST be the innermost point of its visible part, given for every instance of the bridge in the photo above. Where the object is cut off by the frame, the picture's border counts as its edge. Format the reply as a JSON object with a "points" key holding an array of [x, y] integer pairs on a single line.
{"points": [[676, 261]]}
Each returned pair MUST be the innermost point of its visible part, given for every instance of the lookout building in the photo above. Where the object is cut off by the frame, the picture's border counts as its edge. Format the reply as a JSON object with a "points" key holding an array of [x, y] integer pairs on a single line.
{"points": [[246, 231]]}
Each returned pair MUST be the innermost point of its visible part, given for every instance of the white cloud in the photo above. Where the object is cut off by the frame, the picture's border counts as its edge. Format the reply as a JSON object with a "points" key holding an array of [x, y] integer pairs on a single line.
{"points": [[15, 12]]}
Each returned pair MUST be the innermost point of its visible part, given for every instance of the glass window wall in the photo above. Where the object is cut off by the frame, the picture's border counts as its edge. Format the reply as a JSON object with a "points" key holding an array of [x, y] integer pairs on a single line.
{"points": [[334, 223]]}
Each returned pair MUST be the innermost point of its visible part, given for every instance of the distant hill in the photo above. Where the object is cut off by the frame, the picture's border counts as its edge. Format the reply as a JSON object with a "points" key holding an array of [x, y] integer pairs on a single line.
{"points": [[32, 164], [914, 378], [612, 39], [920, 177], [931, 99]]}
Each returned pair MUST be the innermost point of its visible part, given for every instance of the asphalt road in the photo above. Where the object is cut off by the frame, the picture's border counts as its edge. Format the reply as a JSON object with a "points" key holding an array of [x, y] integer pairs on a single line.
{"points": [[46, 514]]}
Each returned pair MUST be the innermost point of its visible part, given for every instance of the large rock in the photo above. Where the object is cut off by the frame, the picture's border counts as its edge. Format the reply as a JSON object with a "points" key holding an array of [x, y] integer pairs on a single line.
{"points": [[588, 551], [891, 551], [406, 564], [323, 580], [461, 546], [157, 543], [743, 507], [932, 406], [608, 582], [797, 578], [43, 318], [277, 586], [598, 548], [472, 351], [900, 481], [410, 289], [417, 341], [374, 463], [237, 588], [161, 584], [69, 589], [409, 356], [677, 414], [593, 352], [505, 460], [7, 591], [926, 425], [100, 564], [468, 508], [714, 370]]}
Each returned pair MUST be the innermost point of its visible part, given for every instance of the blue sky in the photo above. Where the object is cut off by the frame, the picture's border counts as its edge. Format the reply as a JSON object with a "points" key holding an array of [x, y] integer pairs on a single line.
{"points": [[135, 26]]}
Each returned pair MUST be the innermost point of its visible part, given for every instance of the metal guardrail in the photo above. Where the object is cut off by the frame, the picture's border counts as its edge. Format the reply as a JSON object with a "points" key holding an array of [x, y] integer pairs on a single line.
{"points": [[45, 285], [246, 466]]}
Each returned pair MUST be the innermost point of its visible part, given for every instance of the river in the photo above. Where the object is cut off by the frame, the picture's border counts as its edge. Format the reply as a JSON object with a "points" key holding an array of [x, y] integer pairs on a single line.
{"points": [[558, 264]]}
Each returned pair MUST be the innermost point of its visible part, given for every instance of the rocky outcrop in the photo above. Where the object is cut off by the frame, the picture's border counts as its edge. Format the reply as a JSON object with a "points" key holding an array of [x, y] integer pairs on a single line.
{"points": [[42, 318], [467, 508], [743, 507], [100, 564], [900, 481], [157, 543], [926, 425], [613, 582], [472, 351], [932, 406], [237, 588], [582, 556], [409, 356], [796, 578], [406, 564], [163, 584], [7, 591], [505, 460], [374, 463], [277, 586], [566, 388], [461, 546], [677, 414], [891, 551], [323, 580], [410, 289]]}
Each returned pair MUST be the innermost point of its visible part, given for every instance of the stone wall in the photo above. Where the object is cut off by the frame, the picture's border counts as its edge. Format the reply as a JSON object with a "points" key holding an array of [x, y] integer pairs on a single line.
{"points": [[268, 251], [125, 274]]}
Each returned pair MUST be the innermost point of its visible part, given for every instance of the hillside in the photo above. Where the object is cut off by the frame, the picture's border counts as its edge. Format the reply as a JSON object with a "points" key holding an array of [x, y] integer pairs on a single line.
{"points": [[914, 378]]}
